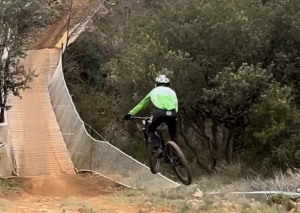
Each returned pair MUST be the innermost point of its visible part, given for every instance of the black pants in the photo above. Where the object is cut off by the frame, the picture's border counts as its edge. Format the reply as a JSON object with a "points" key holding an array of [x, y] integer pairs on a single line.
{"points": [[159, 117]]}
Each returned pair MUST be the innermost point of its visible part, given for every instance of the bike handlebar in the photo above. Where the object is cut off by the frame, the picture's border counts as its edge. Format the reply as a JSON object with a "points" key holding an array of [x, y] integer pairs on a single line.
{"points": [[146, 119], [141, 118]]}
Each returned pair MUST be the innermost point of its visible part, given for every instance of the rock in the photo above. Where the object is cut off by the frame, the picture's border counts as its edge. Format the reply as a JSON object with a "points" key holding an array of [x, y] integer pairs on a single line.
{"points": [[148, 203], [293, 204], [194, 204], [198, 194], [234, 206]]}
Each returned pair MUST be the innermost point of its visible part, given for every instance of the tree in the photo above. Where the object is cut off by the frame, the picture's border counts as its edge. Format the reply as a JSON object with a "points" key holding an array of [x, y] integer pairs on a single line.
{"points": [[16, 18], [234, 65], [272, 135], [213, 52]]}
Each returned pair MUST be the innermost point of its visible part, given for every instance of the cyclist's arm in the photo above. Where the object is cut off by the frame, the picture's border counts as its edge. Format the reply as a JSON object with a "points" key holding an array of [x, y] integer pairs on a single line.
{"points": [[141, 105]]}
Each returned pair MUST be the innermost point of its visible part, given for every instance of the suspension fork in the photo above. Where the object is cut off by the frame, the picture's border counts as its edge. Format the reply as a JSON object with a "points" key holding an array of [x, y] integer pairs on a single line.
{"points": [[146, 136]]}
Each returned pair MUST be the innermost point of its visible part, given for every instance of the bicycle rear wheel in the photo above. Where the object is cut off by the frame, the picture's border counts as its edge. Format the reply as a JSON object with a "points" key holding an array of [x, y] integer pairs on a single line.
{"points": [[179, 162], [154, 162]]}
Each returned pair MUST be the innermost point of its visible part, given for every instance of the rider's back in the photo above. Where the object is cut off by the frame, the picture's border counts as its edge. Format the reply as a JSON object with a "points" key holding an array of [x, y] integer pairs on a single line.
{"points": [[164, 98]]}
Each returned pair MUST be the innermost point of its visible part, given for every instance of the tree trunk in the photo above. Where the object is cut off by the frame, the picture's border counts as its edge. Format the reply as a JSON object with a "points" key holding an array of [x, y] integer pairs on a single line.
{"points": [[2, 118], [1, 104], [69, 21], [193, 150], [3, 78], [213, 143], [4, 89], [187, 143], [228, 145]]}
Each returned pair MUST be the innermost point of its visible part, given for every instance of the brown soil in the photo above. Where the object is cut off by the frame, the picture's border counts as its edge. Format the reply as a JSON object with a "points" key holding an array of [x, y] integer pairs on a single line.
{"points": [[68, 185], [55, 31], [53, 34], [68, 193]]}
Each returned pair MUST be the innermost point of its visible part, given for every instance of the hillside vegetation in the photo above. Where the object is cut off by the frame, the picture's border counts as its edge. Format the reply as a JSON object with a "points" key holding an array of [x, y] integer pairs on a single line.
{"points": [[234, 64]]}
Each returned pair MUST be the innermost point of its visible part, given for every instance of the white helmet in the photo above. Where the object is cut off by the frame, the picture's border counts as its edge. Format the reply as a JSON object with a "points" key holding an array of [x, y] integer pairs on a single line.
{"points": [[162, 80]]}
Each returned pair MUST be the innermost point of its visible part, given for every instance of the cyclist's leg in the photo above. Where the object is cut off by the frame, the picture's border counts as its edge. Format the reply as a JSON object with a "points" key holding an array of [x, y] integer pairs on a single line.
{"points": [[156, 121], [172, 127], [171, 121]]}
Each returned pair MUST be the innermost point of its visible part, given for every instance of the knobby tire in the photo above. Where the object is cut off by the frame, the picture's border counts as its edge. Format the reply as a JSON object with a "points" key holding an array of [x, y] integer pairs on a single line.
{"points": [[183, 161], [154, 167]]}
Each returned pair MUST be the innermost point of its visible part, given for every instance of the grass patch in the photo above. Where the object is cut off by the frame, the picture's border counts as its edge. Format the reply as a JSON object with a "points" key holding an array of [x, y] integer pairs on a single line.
{"points": [[228, 178], [76, 205], [10, 185], [4, 205], [86, 208]]}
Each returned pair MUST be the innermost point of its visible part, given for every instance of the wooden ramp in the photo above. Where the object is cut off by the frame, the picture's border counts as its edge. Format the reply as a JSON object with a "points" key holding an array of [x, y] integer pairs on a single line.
{"points": [[38, 145]]}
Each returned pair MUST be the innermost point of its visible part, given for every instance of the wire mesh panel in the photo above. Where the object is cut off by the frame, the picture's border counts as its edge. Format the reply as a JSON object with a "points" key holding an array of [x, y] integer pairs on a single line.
{"points": [[88, 153]]}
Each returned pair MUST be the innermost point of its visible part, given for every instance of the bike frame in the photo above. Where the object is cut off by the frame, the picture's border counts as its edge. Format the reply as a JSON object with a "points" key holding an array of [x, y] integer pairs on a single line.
{"points": [[160, 138], [146, 121]]}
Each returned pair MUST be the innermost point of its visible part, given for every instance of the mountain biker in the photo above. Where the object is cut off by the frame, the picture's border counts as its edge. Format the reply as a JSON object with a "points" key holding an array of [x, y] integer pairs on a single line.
{"points": [[166, 107]]}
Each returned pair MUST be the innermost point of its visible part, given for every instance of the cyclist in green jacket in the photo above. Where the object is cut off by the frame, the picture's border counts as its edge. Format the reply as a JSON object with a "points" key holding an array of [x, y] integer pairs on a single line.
{"points": [[165, 101]]}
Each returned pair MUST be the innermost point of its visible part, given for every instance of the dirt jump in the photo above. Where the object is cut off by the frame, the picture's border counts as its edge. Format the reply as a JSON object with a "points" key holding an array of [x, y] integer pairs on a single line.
{"points": [[48, 180], [68, 193]]}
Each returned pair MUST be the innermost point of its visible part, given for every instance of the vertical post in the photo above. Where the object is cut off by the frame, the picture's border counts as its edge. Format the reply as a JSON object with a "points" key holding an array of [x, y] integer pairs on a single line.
{"points": [[91, 147]]}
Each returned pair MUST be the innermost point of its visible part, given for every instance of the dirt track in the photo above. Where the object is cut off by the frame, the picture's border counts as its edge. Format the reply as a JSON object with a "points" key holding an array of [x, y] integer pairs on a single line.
{"points": [[63, 192], [68, 193], [54, 32]]}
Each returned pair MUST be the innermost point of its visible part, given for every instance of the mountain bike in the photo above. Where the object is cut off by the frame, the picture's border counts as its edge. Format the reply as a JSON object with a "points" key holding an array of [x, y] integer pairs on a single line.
{"points": [[172, 154]]}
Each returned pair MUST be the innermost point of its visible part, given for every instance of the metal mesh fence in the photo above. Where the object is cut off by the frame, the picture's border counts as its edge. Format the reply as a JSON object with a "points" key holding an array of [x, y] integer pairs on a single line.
{"points": [[88, 153], [7, 161]]}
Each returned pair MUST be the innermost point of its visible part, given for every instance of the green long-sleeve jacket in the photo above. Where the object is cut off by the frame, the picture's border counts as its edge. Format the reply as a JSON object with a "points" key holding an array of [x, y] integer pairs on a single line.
{"points": [[161, 97]]}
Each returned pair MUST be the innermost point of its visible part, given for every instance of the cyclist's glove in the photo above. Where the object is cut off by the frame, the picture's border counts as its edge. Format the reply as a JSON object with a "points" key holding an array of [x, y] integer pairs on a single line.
{"points": [[127, 117]]}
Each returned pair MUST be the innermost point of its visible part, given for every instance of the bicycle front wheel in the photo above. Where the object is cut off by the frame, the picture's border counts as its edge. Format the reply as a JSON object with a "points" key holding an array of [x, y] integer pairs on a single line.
{"points": [[179, 163], [154, 162]]}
